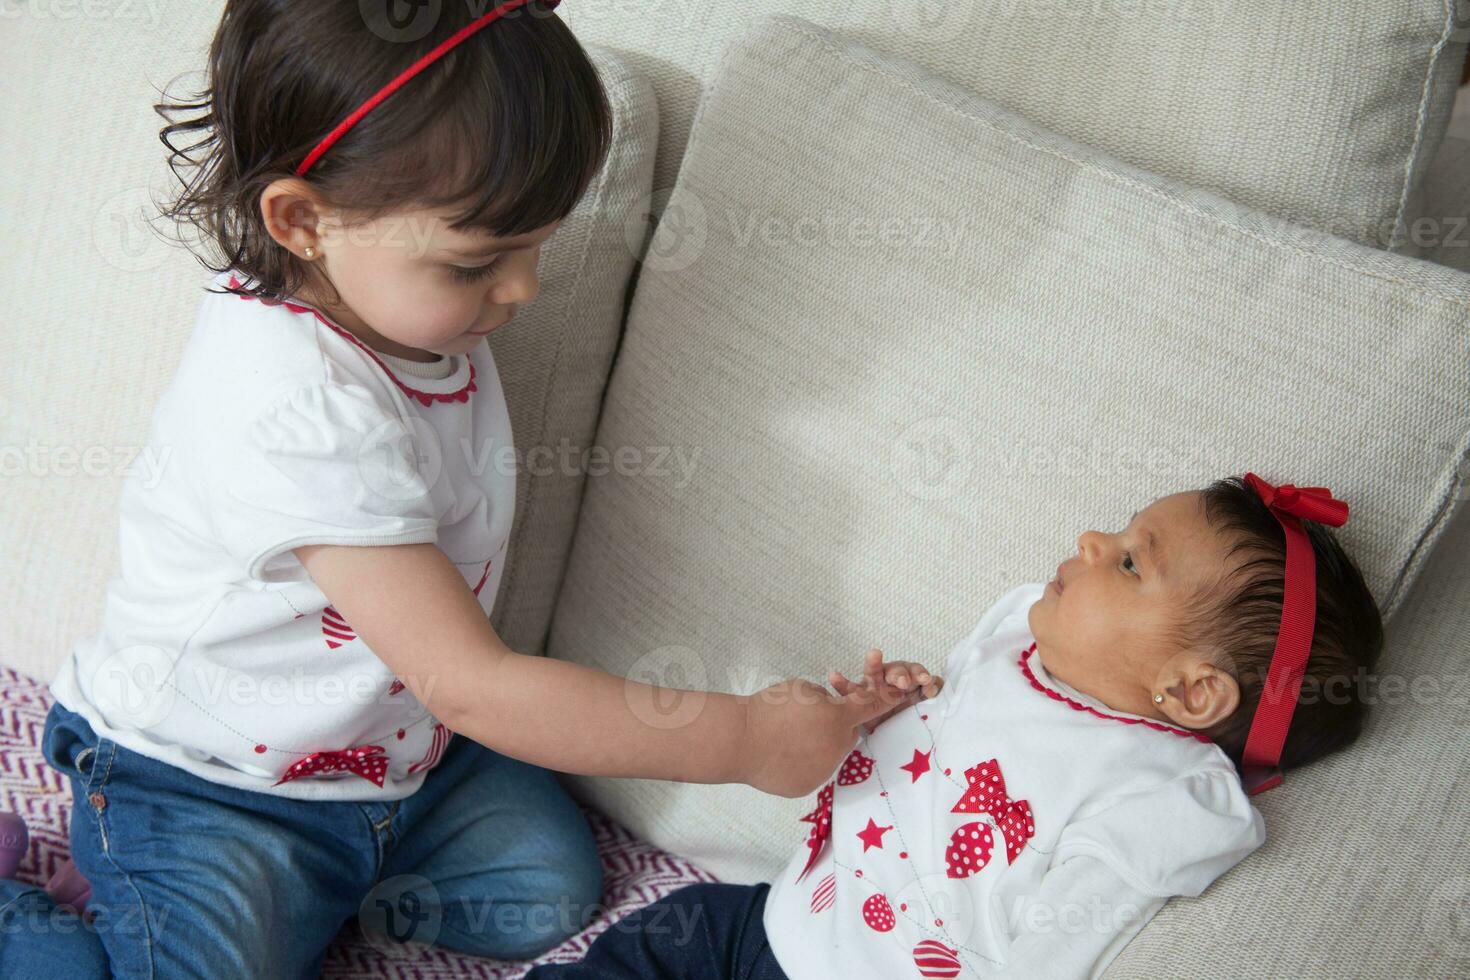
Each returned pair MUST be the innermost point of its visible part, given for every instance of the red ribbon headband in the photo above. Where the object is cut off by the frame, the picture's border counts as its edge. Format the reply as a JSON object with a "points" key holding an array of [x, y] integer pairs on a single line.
{"points": [[449, 44], [1262, 755]]}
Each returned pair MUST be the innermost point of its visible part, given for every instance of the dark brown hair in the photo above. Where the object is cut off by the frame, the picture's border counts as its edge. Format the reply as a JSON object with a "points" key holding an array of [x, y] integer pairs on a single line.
{"points": [[1242, 620], [510, 127]]}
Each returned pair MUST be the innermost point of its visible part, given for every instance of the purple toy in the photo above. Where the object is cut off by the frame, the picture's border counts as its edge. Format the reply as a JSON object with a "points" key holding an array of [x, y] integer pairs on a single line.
{"points": [[13, 841], [68, 888]]}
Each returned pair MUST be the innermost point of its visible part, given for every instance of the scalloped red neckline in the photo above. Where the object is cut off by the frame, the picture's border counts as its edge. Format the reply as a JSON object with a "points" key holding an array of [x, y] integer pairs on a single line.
{"points": [[426, 397], [1079, 706]]}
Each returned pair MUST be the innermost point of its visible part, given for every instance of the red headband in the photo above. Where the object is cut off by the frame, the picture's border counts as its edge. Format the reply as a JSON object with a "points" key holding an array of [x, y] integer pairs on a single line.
{"points": [[1262, 756], [440, 51]]}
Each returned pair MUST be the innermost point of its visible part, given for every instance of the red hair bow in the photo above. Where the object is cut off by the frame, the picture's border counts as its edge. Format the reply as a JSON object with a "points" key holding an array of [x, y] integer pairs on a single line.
{"points": [[1261, 758], [1312, 503]]}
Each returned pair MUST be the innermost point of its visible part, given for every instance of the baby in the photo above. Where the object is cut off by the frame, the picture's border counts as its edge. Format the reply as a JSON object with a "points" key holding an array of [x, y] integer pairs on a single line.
{"points": [[1090, 755]]}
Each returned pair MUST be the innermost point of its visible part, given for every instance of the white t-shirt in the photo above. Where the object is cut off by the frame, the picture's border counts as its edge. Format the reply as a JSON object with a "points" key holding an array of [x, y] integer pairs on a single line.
{"points": [[1012, 827], [217, 653]]}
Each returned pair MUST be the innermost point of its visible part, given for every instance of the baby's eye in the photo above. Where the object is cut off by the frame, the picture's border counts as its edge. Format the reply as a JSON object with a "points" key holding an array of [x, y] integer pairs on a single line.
{"points": [[475, 274], [1127, 563]]}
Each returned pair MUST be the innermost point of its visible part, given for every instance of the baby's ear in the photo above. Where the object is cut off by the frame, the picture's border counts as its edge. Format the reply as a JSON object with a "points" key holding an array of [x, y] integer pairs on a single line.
{"points": [[1199, 690], [1207, 695]]}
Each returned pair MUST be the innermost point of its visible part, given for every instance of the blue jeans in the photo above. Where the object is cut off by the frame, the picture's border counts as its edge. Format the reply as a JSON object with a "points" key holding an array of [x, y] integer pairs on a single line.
{"points": [[702, 932], [194, 879]]}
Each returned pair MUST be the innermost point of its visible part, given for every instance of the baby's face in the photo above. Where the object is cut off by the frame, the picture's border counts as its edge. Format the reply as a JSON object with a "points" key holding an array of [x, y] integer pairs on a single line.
{"points": [[1105, 624]]}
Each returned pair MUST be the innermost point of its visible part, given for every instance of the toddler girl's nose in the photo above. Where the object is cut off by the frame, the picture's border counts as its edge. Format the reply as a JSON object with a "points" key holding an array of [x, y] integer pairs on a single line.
{"points": [[517, 289], [1089, 543]]}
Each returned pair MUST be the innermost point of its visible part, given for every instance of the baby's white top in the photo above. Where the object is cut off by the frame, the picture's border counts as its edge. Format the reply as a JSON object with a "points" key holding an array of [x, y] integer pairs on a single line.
{"points": [[1012, 826], [217, 653]]}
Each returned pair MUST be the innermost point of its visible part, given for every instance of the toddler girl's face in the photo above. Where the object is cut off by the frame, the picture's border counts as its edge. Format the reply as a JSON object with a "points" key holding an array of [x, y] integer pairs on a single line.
{"points": [[1108, 622], [407, 281], [416, 282]]}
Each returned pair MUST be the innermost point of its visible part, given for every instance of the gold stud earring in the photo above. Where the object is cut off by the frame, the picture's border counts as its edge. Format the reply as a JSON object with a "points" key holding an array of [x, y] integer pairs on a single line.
{"points": [[310, 253], [1158, 699]]}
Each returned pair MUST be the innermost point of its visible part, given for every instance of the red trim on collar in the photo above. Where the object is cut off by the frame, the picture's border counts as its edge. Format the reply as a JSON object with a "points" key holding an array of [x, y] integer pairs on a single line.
{"points": [[1059, 696], [426, 397]]}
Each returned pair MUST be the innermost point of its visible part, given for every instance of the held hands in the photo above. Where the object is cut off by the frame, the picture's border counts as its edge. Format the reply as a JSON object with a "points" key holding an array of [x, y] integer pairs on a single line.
{"points": [[912, 679], [797, 733]]}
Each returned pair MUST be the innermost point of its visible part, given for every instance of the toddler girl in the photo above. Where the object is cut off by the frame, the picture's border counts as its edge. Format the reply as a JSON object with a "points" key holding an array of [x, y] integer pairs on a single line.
{"points": [[1090, 756], [296, 710]]}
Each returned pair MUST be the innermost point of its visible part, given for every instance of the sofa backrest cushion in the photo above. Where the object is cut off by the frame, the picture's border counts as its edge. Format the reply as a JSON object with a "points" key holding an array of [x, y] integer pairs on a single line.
{"points": [[1322, 112]]}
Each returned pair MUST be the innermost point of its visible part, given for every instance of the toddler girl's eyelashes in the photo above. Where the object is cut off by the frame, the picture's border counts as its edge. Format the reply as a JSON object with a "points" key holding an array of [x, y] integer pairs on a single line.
{"points": [[474, 274], [1127, 564]]}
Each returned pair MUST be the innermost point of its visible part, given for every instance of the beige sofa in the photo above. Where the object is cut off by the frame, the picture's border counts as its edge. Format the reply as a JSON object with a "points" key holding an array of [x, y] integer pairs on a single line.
{"points": [[866, 374]]}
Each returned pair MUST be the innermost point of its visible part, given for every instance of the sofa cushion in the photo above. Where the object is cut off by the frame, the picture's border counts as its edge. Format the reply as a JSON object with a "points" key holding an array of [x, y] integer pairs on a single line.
{"points": [[1440, 230], [99, 306], [1322, 112], [910, 365]]}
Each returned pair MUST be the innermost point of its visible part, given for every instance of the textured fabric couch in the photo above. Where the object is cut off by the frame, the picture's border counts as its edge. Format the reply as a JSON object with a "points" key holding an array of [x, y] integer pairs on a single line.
{"points": [[876, 305]]}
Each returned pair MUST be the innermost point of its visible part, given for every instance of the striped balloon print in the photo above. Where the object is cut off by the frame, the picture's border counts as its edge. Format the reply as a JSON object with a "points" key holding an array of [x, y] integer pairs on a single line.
{"points": [[934, 959], [335, 629], [436, 749], [824, 894]]}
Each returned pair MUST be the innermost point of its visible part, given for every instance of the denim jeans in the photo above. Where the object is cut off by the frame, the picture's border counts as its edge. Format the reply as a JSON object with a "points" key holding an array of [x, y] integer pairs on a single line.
{"points": [[194, 879], [701, 932]]}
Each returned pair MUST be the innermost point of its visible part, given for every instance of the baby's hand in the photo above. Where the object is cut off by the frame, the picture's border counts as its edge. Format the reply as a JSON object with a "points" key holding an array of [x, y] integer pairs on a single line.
{"points": [[907, 683]]}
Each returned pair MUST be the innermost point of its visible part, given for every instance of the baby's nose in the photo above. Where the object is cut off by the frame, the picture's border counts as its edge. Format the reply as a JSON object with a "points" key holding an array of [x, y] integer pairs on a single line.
{"points": [[1089, 543]]}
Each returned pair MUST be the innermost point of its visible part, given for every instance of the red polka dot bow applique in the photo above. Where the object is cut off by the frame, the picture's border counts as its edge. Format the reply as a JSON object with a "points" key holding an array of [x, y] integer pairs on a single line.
{"points": [[857, 768], [821, 821], [368, 761], [969, 847]]}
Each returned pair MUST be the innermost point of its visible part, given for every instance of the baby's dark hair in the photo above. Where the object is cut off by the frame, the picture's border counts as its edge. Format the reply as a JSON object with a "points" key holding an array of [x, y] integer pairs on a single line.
{"points": [[509, 128], [1242, 619]]}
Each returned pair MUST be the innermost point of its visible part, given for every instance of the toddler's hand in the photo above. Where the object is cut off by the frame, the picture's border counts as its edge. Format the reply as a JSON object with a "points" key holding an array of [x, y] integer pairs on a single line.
{"points": [[798, 733], [901, 682]]}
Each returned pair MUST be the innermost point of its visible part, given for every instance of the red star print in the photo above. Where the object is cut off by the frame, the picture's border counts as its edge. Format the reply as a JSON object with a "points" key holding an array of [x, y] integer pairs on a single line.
{"points": [[919, 766], [872, 835]]}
